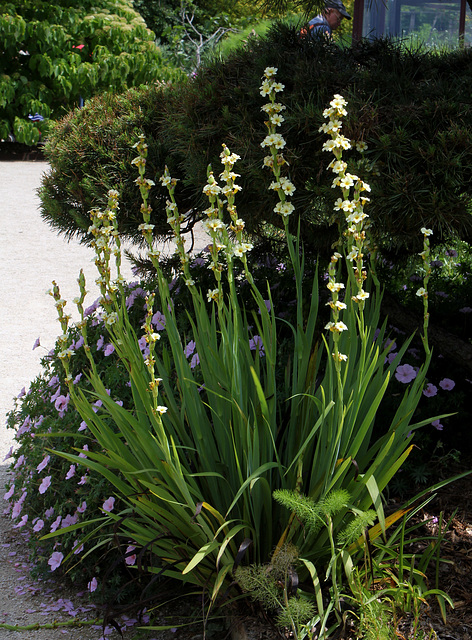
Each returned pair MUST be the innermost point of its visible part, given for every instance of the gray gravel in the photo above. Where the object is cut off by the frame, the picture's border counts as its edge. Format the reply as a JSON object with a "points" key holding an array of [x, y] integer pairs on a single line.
{"points": [[32, 255]]}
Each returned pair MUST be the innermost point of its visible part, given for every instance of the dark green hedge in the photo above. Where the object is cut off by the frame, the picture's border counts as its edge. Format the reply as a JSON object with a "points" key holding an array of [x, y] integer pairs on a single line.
{"points": [[413, 108]]}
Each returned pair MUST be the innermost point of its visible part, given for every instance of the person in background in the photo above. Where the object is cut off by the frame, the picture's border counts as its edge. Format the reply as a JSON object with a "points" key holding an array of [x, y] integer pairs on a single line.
{"points": [[328, 20]]}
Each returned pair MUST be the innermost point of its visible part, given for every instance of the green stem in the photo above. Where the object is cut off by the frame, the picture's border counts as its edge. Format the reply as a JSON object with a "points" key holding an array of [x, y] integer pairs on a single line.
{"points": [[51, 625]]}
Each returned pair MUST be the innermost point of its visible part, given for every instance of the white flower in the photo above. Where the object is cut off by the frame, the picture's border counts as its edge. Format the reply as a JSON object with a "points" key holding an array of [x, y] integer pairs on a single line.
{"points": [[335, 286], [362, 295], [269, 72], [277, 119], [161, 410], [426, 232], [284, 208], [422, 292], [361, 146]]}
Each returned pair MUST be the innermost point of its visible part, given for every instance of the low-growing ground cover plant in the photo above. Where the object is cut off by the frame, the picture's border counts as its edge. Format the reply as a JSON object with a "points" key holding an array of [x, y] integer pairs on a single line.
{"points": [[247, 430]]}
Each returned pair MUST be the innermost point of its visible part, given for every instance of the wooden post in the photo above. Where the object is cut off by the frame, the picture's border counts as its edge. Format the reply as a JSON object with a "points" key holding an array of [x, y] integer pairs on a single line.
{"points": [[358, 20]]}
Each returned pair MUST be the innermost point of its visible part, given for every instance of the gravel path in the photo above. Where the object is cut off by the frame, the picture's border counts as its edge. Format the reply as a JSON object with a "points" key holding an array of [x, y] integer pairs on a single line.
{"points": [[32, 255]]}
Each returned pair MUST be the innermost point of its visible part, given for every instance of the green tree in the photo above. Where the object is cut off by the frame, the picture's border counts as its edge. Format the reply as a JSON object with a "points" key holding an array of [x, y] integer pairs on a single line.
{"points": [[52, 55]]}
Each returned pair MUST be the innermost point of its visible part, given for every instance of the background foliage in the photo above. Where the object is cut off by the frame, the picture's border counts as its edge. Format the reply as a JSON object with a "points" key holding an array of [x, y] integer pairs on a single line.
{"points": [[52, 55], [412, 108]]}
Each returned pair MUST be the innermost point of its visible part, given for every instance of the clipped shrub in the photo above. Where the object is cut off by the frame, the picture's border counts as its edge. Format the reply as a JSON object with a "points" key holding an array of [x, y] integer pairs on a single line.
{"points": [[410, 107], [54, 55]]}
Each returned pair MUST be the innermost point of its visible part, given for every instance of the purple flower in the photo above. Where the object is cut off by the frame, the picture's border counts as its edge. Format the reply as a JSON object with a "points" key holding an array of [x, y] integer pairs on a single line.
{"points": [[56, 395], [45, 484], [9, 454], [68, 521], [9, 493], [452, 253], [71, 472], [255, 343], [391, 357], [109, 504], [159, 321], [92, 585], [78, 547], [19, 462], [437, 425], [194, 361], [82, 507], [22, 522], [49, 512], [17, 507], [55, 560], [53, 381], [84, 448], [109, 349], [130, 559], [55, 524], [42, 465], [22, 393], [77, 378], [189, 349], [36, 344], [465, 310], [447, 384], [405, 373], [430, 390], [61, 404], [82, 480], [83, 426], [38, 526], [100, 343]]}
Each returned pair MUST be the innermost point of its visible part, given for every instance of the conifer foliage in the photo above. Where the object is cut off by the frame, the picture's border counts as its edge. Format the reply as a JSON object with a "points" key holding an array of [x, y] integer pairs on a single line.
{"points": [[411, 115]]}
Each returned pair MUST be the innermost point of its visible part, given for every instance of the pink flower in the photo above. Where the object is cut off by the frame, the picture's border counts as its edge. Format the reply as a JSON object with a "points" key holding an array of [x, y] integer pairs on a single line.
{"points": [[430, 390], [42, 465], [38, 526], [447, 384], [55, 560], [45, 484], [82, 480], [130, 559], [109, 504], [437, 425], [92, 585], [71, 472], [405, 373]]}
